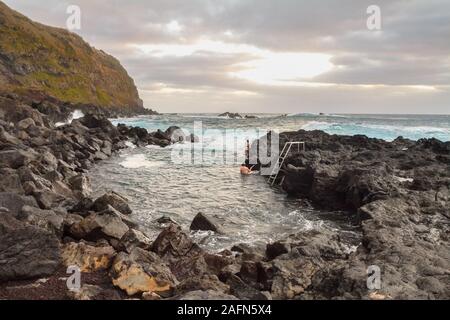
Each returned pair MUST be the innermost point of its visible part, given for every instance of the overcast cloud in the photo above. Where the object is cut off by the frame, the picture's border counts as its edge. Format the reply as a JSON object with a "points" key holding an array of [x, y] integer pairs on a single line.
{"points": [[271, 56]]}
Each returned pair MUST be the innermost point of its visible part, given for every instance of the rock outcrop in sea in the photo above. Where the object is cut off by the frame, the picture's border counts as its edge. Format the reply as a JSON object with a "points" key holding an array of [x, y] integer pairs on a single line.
{"points": [[235, 115]]}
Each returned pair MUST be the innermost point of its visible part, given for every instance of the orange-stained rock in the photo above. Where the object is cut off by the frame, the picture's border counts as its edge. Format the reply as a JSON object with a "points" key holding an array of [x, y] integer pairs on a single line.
{"points": [[142, 271], [86, 257]]}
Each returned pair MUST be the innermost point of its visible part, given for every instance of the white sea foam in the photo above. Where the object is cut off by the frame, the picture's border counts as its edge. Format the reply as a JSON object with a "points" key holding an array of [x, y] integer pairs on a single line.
{"points": [[139, 161], [74, 115], [401, 179], [204, 116], [153, 146], [130, 144], [318, 125], [391, 129]]}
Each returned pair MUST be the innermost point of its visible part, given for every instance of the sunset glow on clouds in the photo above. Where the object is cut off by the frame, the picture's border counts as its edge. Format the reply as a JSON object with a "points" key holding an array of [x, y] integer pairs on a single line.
{"points": [[266, 56], [264, 66]]}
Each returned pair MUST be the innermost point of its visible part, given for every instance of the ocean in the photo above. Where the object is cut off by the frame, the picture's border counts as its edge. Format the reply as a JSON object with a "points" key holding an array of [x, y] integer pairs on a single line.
{"points": [[183, 179]]}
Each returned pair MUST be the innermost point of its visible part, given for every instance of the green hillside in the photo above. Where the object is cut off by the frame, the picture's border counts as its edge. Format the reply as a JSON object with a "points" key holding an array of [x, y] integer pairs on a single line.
{"points": [[35, 57]]}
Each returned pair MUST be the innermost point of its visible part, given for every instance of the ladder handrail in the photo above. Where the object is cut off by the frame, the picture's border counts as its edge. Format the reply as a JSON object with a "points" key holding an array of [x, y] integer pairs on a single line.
{"points": [[273, 176], [282, 151]]}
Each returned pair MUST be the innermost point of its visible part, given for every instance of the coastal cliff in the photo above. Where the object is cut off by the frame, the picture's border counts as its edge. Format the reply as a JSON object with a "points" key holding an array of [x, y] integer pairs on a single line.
{"points": [[38, 60]]}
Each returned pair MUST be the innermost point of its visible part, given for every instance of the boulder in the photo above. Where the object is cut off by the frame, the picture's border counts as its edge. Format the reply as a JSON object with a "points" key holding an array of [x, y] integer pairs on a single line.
{"points": [[45, 219], [291, 277], [70, 219], [99, 226], [83, 206], [172, 242], [113, 199], [53, 176], [165, 220], [38, 132], [243, 291], [86, 257], [16, 158], [361, 186], [7, 222], [202, 222], [94, 121], [142, 271], [276, 249], [202, 282], [47, 199], [81, 185], [28, 174], [10, 181], [184, 257], [135, 238], [48, 162], [25, 123], [27, 253], [8, 140], [130, 222], [14, 202], [246, 252], [174, 134]]}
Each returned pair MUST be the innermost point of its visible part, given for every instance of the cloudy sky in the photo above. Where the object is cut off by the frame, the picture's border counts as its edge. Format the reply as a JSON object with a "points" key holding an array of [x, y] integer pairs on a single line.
{"points": [[271, 56]]}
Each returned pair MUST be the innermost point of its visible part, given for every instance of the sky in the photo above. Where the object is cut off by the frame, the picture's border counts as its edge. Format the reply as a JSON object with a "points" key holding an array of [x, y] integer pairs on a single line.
{"points": [[258, 56]]}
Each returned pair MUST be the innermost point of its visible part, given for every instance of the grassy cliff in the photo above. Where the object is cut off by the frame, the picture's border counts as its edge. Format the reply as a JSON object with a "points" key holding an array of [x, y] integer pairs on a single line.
{"points": [[58, 63]]}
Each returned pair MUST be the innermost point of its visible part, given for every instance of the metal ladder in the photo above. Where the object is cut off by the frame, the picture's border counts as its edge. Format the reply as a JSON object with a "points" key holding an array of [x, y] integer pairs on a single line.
{"points": [[286, 149]]}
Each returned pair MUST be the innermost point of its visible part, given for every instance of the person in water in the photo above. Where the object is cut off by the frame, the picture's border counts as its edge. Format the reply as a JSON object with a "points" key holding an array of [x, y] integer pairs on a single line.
{"points": [[246, 170]]}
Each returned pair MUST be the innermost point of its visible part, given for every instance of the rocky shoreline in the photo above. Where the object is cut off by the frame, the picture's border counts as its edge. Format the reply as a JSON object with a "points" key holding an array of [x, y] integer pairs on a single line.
{"points": [[397, 192]]}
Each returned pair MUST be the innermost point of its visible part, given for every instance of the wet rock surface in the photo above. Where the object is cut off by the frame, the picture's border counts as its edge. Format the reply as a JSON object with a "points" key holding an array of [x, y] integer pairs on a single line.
{"points": [[202, 222], [396, 192]]}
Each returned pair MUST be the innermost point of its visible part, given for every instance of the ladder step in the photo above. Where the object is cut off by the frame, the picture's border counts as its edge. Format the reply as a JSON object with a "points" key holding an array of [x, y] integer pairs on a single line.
{"points": [[280, 161]]}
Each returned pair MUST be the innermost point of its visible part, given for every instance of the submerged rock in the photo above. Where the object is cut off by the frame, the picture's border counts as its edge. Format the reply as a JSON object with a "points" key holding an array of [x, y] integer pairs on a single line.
{"points": [[202, 222], [165, 220]]}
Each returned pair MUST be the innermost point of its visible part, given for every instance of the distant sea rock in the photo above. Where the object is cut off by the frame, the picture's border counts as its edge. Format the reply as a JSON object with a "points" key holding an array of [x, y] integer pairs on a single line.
{"points": [[236, 115], [231, 115]]}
